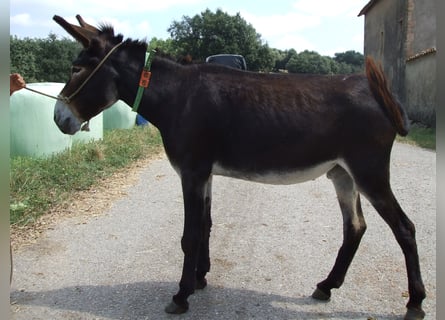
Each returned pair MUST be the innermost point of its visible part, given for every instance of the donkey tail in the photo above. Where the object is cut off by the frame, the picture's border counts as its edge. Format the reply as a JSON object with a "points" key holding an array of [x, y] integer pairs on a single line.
{"points": [[380, 89]]}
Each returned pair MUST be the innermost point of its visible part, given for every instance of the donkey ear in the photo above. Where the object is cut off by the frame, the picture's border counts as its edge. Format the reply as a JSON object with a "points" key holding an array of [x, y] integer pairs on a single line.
{"points": [[85, 25], [83, 35]]}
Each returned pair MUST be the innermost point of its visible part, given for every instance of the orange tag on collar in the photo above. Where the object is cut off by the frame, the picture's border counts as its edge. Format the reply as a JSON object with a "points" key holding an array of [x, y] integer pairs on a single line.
{"points": [[145, 78]]}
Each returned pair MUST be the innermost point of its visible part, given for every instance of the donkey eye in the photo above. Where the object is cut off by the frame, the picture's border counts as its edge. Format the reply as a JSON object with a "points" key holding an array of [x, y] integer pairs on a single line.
{"points": [[75, 70]]}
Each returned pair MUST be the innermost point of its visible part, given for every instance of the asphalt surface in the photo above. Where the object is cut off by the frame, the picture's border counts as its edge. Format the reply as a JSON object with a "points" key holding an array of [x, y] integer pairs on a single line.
{"points": [[270, 245]]}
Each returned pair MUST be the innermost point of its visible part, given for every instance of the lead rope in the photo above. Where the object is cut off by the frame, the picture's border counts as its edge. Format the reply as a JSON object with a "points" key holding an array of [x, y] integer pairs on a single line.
{"points": [[85, 126], [42, 93]]}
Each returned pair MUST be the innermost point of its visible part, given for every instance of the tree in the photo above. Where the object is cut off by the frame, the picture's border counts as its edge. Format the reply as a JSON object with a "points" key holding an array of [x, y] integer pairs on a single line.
{"points": [[282, 58], [309, 62], [213, 33], [43, 60], [352, 58], [344, 68], [50, 59], [58, 56], [23, 55], [165, 46]]}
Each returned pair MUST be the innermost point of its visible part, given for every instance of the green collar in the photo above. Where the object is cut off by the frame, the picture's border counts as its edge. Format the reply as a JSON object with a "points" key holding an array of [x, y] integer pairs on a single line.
{"points": [[145, 78]]}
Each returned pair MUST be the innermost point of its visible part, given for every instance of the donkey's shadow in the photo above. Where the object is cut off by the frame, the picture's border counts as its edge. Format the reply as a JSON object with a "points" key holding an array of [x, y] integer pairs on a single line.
{"points": [[146, 300]]}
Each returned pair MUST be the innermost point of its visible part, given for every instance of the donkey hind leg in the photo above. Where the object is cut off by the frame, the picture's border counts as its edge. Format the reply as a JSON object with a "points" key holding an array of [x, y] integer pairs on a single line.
{"points": [[194, 188], [354, 227], [204, 255], [384, 201]]}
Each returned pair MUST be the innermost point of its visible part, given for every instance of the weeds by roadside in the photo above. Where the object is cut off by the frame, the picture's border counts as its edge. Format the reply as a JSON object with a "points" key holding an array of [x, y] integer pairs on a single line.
{"points": [[420, 136], [36, 184]]}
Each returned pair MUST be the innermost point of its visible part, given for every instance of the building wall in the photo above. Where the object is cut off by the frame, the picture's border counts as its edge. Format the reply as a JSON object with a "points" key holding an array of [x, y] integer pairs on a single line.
{"points": [[420, 70], [421, 27], [420, 84]]}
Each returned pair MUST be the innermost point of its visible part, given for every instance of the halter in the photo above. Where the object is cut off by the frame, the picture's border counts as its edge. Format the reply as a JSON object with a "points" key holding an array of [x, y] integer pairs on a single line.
{"points": [[143, 82], [67, 100]]}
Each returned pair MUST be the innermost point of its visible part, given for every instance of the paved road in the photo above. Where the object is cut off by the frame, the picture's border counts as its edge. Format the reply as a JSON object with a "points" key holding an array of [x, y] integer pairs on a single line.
{"points": [[270, 245]]}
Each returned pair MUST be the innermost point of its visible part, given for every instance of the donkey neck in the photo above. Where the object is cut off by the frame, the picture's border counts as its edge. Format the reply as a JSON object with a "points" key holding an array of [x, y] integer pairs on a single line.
{"points": [[129, 65], [165, 80]]}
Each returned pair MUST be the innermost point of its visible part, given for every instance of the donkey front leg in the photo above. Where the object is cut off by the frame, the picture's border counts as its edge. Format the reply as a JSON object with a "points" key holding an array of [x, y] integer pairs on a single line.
{"points": [[194, 190], [204, 255], [354, 227]]}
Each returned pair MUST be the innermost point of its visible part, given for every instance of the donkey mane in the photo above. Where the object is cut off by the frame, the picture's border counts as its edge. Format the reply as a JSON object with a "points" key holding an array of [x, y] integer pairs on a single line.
{"points": [[106, 28], [137, 44], [106, 32]]}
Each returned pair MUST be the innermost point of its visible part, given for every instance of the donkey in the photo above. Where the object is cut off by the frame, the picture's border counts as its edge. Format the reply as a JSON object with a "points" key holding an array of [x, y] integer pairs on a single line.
{"points": [[269, 128]]}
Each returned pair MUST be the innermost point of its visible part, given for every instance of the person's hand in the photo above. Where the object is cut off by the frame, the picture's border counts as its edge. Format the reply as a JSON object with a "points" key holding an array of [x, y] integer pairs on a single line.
{"points": [[16, 82]]}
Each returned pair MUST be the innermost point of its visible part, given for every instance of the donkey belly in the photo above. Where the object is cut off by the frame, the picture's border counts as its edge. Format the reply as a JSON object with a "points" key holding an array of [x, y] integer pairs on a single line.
{"points": [[276, 176]]}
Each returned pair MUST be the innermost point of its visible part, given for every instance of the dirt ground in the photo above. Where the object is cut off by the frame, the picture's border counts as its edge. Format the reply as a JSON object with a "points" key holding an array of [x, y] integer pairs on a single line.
{"points": [[115, 253]]}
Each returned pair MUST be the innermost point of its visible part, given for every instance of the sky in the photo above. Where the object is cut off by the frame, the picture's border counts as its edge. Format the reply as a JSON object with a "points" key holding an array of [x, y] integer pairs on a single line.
{"points": [[325, 26]]}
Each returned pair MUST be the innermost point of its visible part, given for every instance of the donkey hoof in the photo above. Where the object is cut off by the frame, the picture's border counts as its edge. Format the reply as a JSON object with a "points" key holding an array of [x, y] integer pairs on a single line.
{"points": [[201, 283], [174, 308], [320, 295], [414, 314]]}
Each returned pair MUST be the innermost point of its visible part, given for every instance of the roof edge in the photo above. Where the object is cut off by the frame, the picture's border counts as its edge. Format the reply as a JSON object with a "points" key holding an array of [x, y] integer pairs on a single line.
{"points": [[367, 7]]}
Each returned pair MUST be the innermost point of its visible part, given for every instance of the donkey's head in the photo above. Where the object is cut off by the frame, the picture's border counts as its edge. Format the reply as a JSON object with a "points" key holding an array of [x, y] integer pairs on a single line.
{"points": [[92, 85]]}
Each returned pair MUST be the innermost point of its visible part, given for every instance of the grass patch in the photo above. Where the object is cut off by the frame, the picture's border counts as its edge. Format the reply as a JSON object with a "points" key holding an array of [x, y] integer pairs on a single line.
{"points": [[36, 184], [421, 137]]}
